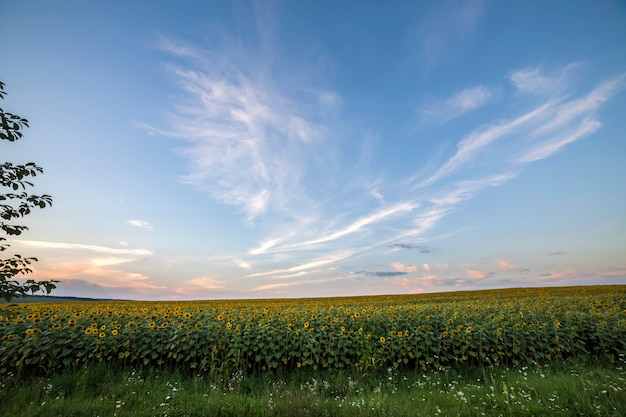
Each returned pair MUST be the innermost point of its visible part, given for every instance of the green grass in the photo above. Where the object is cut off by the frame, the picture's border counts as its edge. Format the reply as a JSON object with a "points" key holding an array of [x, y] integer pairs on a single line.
{"points": [[558, 389]]}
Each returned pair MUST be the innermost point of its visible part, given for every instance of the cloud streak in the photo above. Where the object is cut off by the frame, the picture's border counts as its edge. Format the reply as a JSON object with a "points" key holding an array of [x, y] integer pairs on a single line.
{"points": [[306, 266], [83, 247], [381, 273], [470, 146]]}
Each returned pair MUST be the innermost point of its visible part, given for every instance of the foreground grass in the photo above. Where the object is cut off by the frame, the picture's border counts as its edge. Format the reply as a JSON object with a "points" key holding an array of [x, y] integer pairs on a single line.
{"points": [[558, 389]]}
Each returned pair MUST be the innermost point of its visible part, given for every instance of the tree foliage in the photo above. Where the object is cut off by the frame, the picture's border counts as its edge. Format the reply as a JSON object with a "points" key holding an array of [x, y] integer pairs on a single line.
{"points": [[15, 203]]}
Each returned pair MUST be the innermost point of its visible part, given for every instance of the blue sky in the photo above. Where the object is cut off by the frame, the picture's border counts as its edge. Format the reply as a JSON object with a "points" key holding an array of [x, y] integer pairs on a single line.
{"points": [[211, 149]]}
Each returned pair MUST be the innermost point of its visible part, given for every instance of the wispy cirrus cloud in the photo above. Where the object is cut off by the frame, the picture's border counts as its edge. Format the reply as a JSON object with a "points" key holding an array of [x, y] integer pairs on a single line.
{"points": [[363, 222], [246, 138], [464, 101], [548, 147], [381, 273], [282, 285], [551, 125], [267, 287], [301, 243], [571, 121], [312, 264], [252, 143], [471, 145]]}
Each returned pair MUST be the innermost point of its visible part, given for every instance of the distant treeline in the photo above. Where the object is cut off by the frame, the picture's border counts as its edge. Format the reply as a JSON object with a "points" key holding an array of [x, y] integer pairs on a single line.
{"points": [[18, 299]]}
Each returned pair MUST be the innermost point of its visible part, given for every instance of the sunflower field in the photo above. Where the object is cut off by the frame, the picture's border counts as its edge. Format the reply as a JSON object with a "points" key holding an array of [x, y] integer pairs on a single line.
{"points": [[428, 331]]}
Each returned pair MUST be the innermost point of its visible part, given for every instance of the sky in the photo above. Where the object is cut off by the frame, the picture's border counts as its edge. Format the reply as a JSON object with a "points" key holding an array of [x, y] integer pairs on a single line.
{"points": [[236, 149]]}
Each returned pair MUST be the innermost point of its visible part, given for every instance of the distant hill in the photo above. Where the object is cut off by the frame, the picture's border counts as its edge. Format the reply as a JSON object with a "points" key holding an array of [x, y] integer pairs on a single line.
{"points": [[50, 299]]}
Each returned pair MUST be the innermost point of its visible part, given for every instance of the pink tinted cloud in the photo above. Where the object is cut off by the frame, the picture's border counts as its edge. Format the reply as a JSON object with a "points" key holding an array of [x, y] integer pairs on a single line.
{"points": [[478, 274], [116, 282], [400, 267], [506, 265], [573, 276], [413, 286]]}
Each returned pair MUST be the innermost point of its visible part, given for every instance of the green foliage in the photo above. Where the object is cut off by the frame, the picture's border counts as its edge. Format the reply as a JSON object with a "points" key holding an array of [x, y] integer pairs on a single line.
{"points": [[15, 204]]}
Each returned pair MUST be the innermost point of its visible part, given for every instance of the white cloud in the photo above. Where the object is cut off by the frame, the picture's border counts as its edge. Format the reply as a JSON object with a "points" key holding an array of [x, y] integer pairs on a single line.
{"points": [[306, 266], [584, 107], [242, 264], [470, 98], [571, 121], [309, 238], [426, 204], [554, 115], [420, 224], [293, 275], [529, 80], [465, 189], [475, 142], [460, 103], [142, 224], [534, 81], [251, 143], [359, 224], [79, 246], [264, 246], [554, 144], [247, 140], [267, 287]]}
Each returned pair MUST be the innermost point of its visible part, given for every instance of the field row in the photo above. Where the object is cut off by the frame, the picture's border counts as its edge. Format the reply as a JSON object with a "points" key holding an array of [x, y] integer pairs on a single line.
{"points": [[513, 326]]}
